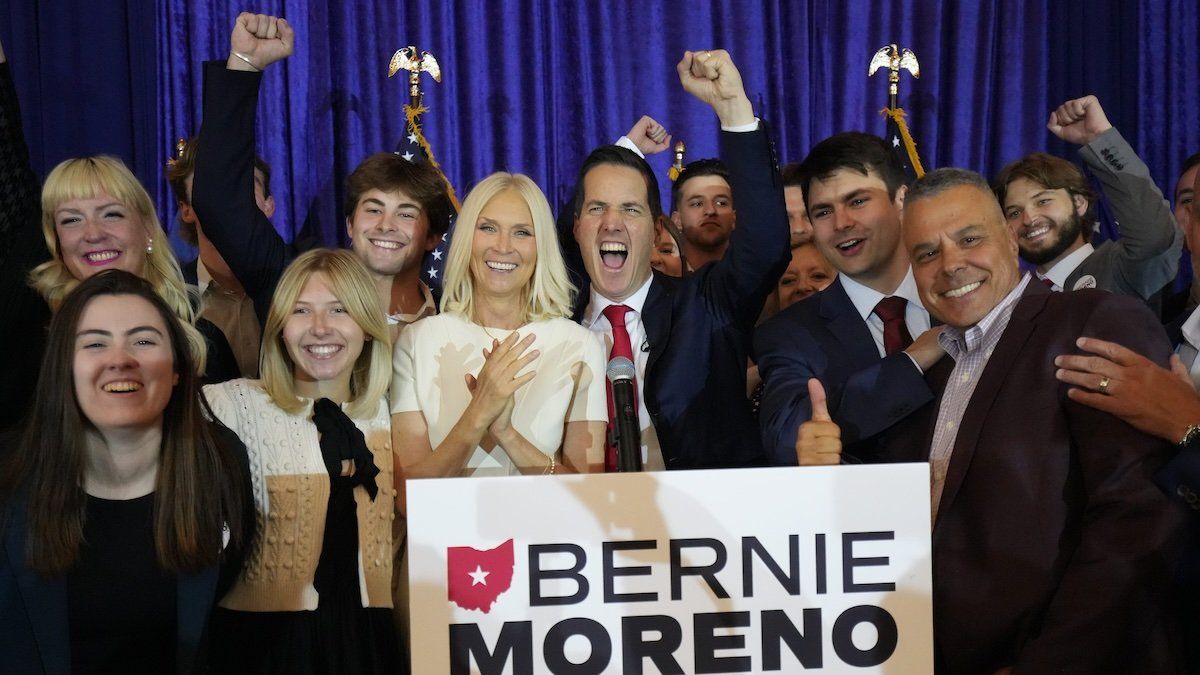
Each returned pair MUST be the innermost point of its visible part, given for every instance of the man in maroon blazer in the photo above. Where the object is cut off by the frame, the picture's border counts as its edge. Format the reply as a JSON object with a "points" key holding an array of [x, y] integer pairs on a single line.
{"points": [[1052, 548]]}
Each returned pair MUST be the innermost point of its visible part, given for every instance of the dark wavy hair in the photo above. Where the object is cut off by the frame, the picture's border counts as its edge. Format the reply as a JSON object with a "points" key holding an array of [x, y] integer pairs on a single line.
{"points": [[389, 172], [197, 492]]}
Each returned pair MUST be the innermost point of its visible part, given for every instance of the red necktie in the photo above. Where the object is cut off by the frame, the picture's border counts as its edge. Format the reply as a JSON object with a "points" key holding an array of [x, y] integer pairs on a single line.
{"points": [[620, 347], [1047, 282], [895, 331]]}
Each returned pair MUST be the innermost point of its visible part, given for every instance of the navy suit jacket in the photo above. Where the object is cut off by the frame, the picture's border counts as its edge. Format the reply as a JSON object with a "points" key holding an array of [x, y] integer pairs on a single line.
{"points": [[698, 328], [223, 186], [34, 631], [824, 337]]}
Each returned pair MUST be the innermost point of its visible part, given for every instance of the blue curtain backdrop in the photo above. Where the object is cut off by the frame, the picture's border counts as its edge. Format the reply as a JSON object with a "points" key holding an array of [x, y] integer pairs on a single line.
{"points": [[532, 85]]}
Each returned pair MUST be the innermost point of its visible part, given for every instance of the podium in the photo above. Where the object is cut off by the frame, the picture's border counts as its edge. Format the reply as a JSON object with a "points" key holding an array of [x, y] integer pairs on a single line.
{"points": [[749, 570]]}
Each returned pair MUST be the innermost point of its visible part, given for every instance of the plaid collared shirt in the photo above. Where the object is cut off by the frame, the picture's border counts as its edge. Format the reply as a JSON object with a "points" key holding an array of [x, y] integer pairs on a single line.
{"points": [[970, 350]]}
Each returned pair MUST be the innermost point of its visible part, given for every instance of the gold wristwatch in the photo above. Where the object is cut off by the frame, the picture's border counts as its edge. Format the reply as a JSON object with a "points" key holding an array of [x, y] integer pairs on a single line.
{"points": [[1190, 437]]}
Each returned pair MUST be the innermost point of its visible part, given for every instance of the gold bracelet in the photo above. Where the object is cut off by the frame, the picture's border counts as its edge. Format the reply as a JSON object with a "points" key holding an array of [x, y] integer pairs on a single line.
{"points": [[549, 467], [247, 60]]}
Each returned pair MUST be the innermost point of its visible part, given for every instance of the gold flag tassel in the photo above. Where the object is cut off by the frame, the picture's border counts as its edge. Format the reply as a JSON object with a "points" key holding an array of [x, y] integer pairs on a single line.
{"points": [[910, 146], [412, 114], [677, 165]]}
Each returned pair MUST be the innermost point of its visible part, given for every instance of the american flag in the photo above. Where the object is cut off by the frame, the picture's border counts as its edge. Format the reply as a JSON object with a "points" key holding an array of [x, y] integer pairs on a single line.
{"points": [[415, 148], [902, 143]]}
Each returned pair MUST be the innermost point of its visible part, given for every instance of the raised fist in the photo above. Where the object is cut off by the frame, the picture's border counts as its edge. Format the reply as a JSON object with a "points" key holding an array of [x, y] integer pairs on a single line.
{"points": [[712, 78], [649, 136], [261, 39], [1079, 121]]}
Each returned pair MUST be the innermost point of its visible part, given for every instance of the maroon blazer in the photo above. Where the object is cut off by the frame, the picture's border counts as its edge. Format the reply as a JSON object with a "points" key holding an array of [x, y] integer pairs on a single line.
{"points": [[1053, 549]]}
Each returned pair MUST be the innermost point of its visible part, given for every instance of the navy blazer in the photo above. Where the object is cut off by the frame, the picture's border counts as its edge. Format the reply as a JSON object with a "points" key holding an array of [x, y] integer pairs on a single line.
{"points": [[34, 631], [223, 186], [824, 336], [698, 328], [34, 635]]}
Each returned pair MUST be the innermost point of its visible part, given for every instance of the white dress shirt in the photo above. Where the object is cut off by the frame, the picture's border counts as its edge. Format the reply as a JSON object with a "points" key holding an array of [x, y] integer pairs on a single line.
{"points": [[1063, 268], [916, 318], [1190, 346], [594, 319]]}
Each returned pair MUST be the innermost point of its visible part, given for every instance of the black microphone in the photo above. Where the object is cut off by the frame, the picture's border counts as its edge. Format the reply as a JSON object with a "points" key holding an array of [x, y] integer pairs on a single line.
{"points": [[625, 425]]}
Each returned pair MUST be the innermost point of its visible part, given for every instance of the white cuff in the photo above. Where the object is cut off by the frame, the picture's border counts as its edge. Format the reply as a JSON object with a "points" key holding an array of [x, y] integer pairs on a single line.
{"points": [[915, 364], [752, 126], [624, 142]]}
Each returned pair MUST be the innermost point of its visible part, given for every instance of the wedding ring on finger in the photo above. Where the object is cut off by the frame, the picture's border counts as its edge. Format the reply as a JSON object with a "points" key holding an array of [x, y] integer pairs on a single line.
{"points": [[1104, 382]]}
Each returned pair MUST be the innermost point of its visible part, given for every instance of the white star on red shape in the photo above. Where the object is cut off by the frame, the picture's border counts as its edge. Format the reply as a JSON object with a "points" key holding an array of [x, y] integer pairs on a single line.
{"points": [[478, 576]]}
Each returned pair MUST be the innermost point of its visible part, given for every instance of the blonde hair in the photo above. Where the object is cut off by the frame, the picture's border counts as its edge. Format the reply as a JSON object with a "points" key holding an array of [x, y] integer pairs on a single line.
{"points": [[550, 293], [352, 285], [85, 178]]}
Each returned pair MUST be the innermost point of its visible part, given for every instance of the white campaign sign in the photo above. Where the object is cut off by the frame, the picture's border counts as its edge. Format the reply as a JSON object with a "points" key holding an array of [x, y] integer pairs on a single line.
{"points": [[821, 569]]}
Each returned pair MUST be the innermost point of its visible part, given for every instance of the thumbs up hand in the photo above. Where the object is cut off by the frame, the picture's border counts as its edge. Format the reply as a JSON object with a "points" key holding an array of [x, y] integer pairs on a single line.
{"points": [[819, 440]]}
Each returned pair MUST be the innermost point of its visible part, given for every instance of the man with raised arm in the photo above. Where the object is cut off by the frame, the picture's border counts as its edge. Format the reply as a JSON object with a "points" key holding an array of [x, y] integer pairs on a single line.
{"points": [[395, 210], [1052, 210], [688, 337]]}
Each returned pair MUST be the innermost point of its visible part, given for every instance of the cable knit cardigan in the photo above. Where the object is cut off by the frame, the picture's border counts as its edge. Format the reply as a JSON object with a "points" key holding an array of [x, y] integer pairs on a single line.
{"points": [[291, 492]]}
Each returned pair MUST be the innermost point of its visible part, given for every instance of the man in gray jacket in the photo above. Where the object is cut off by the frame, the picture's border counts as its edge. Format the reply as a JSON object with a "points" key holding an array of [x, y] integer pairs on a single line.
{"points": [[1052, 211]]}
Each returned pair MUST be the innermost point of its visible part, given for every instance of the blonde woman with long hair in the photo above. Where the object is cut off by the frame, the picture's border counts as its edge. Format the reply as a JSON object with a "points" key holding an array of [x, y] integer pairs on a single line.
{"points": [[315, 594], [502, 382]]}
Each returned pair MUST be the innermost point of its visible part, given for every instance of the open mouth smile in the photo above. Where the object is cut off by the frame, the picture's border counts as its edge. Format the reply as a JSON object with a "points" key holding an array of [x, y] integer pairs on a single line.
{"points": [[613, 254], [323, 351], [387, 244], [1036, 232], [850, 246], [98, 258], [962, 290]]}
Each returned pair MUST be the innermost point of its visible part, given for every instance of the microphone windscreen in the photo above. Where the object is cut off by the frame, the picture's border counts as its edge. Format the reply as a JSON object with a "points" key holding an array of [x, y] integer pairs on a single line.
{"points": [[620, 368]]}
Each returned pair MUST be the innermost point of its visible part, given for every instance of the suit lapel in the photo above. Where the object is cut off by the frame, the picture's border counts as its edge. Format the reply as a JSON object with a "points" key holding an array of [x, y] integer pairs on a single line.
{"points": [[1020, 327], [45, 600], [656, 318], [847, 326], [194, 599]]}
